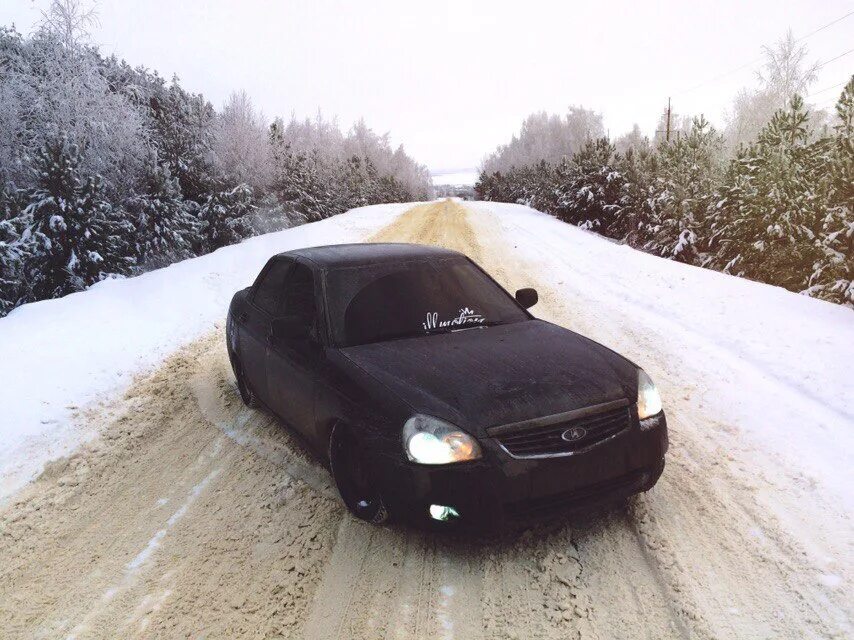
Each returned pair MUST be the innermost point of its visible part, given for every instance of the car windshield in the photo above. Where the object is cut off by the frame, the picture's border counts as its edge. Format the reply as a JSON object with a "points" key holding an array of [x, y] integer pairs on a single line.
{"points": [[371, 303]]}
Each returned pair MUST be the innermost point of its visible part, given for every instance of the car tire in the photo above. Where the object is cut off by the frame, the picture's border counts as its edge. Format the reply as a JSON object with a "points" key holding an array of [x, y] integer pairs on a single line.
{"points": [[246, 393], [353, 479]]}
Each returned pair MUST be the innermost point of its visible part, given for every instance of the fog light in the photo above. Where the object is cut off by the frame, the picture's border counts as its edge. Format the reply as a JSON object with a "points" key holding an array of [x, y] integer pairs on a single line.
{"points": [[443, 513]]}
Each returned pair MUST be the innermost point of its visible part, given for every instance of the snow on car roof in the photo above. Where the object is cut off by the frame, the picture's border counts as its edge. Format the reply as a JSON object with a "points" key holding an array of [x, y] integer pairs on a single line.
{"points": [[349, 255]]}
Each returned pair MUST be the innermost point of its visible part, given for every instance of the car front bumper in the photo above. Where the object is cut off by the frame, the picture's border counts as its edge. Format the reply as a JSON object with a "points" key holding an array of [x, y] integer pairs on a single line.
{"points": [[499, 488]]}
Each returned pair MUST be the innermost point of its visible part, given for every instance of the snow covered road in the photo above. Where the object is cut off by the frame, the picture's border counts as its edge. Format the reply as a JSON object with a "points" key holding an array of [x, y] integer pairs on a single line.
{"points": [[191, 514]]}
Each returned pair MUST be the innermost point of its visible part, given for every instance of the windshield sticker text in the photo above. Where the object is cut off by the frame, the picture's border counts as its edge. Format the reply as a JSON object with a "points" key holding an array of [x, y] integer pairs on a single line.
{"points": [[466, 317]]}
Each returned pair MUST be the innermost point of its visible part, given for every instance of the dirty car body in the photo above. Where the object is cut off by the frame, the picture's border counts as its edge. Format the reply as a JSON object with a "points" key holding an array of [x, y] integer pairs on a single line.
{"points": [[435, 393]]}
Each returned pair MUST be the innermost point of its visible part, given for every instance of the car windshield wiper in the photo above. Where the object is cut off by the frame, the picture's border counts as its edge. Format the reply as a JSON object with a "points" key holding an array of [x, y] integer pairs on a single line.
{"points": [[432, 332], [465, 327], [437, 330], [405, 335], [479, 325]]}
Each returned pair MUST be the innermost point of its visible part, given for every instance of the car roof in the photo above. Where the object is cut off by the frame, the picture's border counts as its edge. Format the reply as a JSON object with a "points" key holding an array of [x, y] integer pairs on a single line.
{"points": [[353, 255]]}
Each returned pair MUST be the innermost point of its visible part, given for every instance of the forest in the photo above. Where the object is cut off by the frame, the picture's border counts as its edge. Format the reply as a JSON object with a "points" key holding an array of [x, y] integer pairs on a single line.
{"points": [[770, 197], [108, 170]]}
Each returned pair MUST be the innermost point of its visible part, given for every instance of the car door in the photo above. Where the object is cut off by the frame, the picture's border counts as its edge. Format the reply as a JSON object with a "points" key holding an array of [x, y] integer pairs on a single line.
{"points": [[254, 321], [292, 363]]}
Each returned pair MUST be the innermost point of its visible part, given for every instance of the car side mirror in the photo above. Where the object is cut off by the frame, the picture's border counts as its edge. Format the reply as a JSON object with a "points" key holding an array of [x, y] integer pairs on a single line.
{"points": [[527, 297], [290, 329]]}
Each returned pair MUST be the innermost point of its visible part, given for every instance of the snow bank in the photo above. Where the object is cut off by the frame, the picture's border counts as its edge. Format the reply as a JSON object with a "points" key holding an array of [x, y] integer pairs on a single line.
{"points": [[58, 355], [778, 365]]}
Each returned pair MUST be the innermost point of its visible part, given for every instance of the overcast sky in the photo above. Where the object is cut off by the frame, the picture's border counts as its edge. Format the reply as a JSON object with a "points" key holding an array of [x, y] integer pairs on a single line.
{"points": [[451, 79]]}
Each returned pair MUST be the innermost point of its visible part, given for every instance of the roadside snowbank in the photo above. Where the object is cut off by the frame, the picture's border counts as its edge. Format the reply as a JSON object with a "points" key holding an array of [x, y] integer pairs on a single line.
{"points": [[778, 365], [59, 355]]}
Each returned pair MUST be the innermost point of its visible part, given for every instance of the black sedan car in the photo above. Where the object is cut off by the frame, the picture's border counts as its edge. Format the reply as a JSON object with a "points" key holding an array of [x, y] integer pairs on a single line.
{"points": [[434, 393]]}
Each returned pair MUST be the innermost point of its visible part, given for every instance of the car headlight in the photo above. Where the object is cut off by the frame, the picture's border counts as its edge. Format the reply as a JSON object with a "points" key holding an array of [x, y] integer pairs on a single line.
{"points": [[649, 400], [429, 440]]}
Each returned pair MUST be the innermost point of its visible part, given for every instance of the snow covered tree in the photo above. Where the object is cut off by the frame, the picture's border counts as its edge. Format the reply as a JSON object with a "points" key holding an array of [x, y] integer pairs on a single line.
{"points": [[686, 175], [768, 223], [779, 211], [183, 135], [50, 88], [487, 186], [225, 218], [12, 129], [680, 125], [242, 146], [319, 172], [590, 197], [786, 73], [53, 201], [164, 228], [69, 20], [145, 166], [638, 168], [77, 239], [271, 215], [546, 137], [300, 186], [14, 248], [832, 277], [635, 139], [360, 181], [843, 150]]}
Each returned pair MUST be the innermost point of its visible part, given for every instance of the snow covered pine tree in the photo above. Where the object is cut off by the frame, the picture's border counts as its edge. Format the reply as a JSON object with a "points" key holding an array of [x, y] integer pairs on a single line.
{"points": [[164, 227], [784, 215], [14, 247], [76, 238], [224, 218]]}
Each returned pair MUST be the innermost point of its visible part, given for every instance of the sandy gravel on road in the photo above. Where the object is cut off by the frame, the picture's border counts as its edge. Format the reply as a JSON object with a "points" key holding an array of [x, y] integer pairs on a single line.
{"points": [[193, 516], [184, 517]]}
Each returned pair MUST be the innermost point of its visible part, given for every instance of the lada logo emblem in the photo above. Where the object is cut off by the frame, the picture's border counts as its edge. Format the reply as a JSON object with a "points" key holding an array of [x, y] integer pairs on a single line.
{"points": [[574, 434]]}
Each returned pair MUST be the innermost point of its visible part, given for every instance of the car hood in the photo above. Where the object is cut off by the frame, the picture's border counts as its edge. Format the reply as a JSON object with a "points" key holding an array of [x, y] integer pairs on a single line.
{"points": [[484, 377]]}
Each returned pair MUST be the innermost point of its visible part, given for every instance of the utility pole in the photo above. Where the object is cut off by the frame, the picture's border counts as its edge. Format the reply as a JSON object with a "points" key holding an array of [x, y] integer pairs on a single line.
{"points": [[666, 131], [668, 119]]}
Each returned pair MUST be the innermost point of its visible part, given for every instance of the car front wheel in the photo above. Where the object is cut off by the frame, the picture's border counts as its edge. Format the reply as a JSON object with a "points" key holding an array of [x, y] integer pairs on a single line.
{"points": [[353, 478]]}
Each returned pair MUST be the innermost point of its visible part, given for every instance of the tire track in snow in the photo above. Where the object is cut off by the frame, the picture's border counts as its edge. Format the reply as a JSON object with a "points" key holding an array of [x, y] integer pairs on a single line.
{"points": [[241, 430], [329, 616], [701, 465], [137, 563], [245, 549], [397, 583]]}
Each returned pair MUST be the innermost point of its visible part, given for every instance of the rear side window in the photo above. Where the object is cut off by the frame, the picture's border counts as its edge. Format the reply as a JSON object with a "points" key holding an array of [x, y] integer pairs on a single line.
{"points": [[268, 293], [298, 299]]}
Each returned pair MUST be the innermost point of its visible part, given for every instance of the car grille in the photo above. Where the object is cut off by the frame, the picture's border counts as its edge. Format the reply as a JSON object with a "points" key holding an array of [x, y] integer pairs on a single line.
{"points": [[549, 440]]}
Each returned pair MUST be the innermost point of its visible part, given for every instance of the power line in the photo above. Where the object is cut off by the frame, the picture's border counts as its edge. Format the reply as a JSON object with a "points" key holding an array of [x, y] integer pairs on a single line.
{"points": [[822, 28], [841, 55], [830, 104], [719, 77], [838, 84], [757, 60], [827, 102]]}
